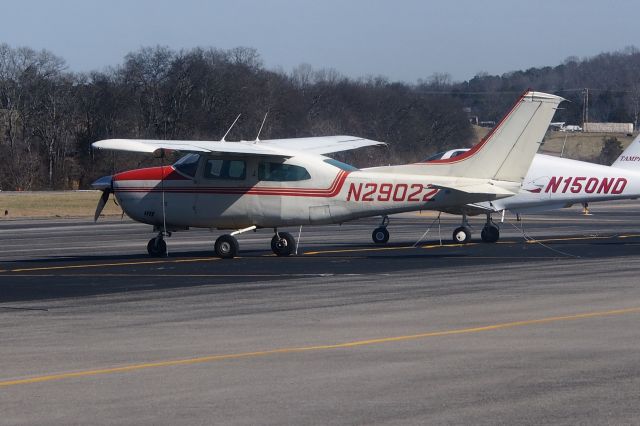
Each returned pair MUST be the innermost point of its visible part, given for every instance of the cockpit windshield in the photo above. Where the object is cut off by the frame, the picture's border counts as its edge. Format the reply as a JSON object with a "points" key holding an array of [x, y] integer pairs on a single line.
{"points": [[188, 165]]}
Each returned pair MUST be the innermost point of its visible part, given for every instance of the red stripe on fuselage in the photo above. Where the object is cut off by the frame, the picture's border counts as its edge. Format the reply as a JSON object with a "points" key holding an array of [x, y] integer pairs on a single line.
{"points": [[331, 191], [150, 173]]}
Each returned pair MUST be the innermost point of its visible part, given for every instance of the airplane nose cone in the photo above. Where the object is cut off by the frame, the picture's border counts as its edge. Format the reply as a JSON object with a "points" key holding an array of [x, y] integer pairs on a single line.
{"points": [[103, 183]]}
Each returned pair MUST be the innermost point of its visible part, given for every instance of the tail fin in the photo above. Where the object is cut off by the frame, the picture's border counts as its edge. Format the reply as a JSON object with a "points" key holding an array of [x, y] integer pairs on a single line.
{"points": [[630, 158], [508, 150]]}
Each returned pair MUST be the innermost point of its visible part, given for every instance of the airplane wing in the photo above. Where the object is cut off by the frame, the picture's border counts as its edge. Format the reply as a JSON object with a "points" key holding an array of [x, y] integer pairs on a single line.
{"points": [[322, 144], [155, 147], [278, 147]]}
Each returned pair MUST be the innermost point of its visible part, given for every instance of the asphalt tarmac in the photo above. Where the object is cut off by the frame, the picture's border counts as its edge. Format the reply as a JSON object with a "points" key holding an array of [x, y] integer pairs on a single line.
{"points": [[540, 328]]}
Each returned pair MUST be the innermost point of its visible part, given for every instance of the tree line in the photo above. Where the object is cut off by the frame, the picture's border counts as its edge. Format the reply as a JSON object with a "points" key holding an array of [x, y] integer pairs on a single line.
{"points": [[49, 116], [612, 80]]}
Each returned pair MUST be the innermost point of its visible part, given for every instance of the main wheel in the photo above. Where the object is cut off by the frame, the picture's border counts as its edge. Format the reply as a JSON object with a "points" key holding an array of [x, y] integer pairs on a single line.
{"points": [[380, 235], [157, 247], [490, 234], [226, 246], [283, 244], [462, 235]]}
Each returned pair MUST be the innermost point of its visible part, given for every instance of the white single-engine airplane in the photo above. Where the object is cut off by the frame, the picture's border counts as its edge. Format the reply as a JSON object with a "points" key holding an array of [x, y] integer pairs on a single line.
{"points": [[553, 183], [248, 185]]}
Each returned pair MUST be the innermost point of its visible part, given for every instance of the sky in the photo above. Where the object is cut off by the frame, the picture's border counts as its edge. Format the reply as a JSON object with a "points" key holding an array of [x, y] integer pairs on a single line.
{"points": [[403, 40]]}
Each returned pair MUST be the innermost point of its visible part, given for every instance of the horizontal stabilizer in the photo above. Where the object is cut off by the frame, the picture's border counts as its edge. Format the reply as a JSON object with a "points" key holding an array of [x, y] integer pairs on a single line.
{"points": [[477, 188]]}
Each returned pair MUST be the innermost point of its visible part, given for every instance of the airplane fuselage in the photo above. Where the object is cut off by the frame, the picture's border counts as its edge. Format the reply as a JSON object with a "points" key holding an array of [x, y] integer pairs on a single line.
{"points": [[229, 192], [554, 182]]}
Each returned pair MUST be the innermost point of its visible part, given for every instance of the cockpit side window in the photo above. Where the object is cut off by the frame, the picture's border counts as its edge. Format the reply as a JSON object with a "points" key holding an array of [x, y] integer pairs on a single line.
{"points": [[218, 168], [280, 172], [188, 165]]}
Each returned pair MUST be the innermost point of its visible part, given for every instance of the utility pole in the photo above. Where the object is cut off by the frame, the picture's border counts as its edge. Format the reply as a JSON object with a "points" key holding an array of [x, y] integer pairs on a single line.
{"points": [[585, 107]]}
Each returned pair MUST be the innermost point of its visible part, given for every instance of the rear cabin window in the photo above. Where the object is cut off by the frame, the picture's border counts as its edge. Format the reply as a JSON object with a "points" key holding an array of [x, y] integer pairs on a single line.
{"points": [[280, 172], [187, 165], [218, 168], [343, 166]]}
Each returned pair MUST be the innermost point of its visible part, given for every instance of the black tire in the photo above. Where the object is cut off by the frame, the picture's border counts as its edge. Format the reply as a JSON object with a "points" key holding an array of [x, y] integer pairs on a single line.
{"points": [[462, 235], [157, 247], [283, 246], [380, 235], [226, 246], [490, 234]]}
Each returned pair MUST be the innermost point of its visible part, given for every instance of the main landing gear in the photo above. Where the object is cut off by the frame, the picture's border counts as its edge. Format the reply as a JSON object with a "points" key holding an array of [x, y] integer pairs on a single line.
{"points": [[490, 232], [380, 235], [227, 247], [462, 234], [283, 243]]}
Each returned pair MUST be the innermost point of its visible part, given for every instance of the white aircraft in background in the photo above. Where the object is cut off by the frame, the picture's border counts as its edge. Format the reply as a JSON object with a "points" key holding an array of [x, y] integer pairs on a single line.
{"points": [[554, 183], [248, 185]]}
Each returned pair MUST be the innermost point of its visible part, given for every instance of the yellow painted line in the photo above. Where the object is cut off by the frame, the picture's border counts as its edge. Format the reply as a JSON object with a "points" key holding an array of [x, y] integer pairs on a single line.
{"points": [[594, 237], [345, 345], [533, 241], [430, 246], [548, 240], [311, 253], [427, 246], [103, 265], [437, 245]]}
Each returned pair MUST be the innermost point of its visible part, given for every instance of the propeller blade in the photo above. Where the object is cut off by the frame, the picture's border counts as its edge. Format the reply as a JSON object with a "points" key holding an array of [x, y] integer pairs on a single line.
{"points": [[101, 203], [105, 184]]}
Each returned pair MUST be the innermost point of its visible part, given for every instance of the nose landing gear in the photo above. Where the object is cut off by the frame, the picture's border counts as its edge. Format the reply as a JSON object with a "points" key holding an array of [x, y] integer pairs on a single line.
{"points": [[157, 247]]}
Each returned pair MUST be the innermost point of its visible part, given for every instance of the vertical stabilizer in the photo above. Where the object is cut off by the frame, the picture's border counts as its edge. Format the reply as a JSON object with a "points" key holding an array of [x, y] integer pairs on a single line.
{"points": [[630, 158], [507, 151]]}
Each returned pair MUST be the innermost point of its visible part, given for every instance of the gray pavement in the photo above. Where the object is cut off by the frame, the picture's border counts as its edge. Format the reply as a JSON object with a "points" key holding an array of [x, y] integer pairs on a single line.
{"points": [[94, 332]]}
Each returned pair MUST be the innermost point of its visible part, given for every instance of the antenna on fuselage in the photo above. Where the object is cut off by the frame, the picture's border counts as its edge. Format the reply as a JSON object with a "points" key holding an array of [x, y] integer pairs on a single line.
{"points": [[261, 126], [233, 124]]}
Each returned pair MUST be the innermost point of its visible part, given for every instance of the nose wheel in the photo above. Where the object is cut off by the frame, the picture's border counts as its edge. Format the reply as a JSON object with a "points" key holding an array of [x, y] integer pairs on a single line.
{"points": [[283, 244], [157, 247]]}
